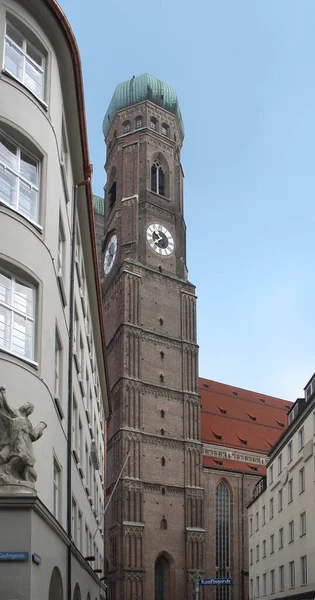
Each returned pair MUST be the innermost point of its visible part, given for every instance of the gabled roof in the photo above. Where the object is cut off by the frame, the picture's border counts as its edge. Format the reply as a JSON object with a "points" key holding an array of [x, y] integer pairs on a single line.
{"points": [[240, 419], [234, 466]]}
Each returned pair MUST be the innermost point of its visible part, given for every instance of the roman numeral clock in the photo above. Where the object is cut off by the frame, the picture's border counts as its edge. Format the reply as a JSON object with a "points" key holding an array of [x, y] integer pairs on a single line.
{"points": [[160, 239]]}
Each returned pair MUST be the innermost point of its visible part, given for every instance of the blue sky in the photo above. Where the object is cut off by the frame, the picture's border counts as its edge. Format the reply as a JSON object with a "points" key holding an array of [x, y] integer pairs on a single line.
{"points": [[244, 72]]}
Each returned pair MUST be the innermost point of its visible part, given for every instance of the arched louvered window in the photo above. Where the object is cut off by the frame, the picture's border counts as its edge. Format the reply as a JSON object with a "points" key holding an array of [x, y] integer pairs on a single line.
{"points": [[223, 532], [157, 178]]}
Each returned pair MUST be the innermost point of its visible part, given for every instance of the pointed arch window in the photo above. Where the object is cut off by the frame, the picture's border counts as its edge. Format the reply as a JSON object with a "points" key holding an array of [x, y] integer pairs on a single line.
{"points": [[157, 178], [165, 130], [223, 532], [163, 461], [163, 524]]}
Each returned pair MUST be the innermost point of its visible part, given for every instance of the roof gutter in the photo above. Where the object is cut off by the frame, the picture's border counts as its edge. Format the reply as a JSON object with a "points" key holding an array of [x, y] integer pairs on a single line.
{"points": [[65, 25]]}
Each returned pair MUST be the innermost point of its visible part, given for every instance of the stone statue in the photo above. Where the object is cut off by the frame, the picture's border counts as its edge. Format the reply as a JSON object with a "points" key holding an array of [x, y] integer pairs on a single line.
{"points": [[16, 438]]}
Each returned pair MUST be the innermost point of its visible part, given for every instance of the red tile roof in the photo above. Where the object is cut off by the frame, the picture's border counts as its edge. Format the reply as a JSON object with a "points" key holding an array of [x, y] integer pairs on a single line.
{"points": [[239, 418], [223, 464]]}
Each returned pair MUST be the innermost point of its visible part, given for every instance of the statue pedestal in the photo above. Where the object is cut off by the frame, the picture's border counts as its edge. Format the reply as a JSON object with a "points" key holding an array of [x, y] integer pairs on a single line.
{"points": [[11, 489]]}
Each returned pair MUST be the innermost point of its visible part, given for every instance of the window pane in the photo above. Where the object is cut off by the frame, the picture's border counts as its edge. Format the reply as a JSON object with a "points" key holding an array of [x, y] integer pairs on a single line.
{"points": [[34, 54], [28, 201], [8, 153], [28, 168], [33, 79], [14, 60], [22, 336], [23, 299], [8, 187], [14, 35], [5, 289], [5, 327]]}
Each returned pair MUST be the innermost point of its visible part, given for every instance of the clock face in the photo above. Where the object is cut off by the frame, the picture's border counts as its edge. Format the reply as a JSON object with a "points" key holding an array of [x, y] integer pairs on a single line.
{"points": [[110, 253], [160, 239]]}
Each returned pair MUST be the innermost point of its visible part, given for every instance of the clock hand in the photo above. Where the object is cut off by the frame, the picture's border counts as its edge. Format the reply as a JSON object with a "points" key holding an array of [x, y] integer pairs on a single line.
{"points": [[159, 238]]}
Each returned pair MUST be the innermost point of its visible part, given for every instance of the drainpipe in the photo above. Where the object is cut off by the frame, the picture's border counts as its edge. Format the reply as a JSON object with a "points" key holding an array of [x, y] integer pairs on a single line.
{"points": [[70, 373], [243, 541]]}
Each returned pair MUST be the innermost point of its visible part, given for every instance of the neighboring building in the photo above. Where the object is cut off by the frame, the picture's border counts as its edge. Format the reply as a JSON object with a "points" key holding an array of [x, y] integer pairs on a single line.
{"points": [[52, 350], [238, 428], [179, 506], [281, 512]]}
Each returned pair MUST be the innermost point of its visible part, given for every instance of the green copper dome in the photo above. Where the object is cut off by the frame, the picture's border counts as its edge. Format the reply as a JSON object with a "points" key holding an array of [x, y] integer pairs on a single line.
{"points": [[138, 89]]}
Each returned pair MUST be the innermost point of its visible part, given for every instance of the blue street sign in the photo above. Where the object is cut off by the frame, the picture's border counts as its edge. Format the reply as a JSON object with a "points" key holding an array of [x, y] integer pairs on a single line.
{"points": [[217, 581], [15, 556], [36, 559]]}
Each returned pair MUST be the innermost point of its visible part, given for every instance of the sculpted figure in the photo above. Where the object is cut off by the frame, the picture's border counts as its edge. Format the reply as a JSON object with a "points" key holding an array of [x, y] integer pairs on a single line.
{"points": [[16, 443]]}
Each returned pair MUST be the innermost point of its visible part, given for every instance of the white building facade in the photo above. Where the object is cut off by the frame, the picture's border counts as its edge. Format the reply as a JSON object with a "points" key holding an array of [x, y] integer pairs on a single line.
{"points": [[282, 512], [52, 343]]}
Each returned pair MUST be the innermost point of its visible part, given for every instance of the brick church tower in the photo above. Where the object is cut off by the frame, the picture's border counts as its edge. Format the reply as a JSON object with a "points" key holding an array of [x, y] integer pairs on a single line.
{"points": [[155, 522]]}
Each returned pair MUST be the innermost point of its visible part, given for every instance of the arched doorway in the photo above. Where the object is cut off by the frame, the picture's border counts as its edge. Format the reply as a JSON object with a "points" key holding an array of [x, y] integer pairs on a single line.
{"points": [[77, 592], [162, 578], [55, 586]]}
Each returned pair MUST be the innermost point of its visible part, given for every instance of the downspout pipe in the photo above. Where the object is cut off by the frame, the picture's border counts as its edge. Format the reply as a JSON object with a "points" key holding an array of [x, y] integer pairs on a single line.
{"points": [[70, 385], [243, 541]]}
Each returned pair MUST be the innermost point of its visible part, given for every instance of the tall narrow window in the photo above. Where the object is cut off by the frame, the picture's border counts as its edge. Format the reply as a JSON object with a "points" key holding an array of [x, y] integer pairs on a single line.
{"points": [[74, 521], [24, 61], [17, 316], [279, 463], [301, 438], [280, 538], [223, 523], [263, 515], [291, 531], [290, 451], [272, 581], [163, 524], [165, 130], [303, 523], [161, 579], [280, 500], [58, 365], [290, 490], [157, 178], [126, 126], [153, 124], [112, 194], [301, 480], [19, 179], [303, 570], [61, 250], [272, 543], [56, 489], [291, 574], [271, 508], [264, 584], [281, 578], [139, 122]]}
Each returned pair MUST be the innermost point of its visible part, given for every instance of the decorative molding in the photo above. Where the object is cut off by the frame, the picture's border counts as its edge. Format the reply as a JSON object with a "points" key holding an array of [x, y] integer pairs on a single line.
{"points": [[133, 530], [133, 486], [154, 141], [162, 441], [133, 575], [195, 536], [169, 489], [161, 212], [195, 493], [236, 455]]}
